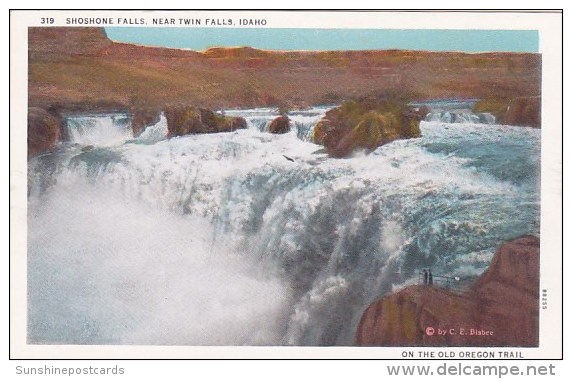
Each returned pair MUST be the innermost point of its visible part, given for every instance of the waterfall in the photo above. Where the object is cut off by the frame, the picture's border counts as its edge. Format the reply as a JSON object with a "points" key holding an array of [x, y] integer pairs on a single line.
{"points": [[155, 133], [455, 111], [461, 117], [302, 122], [99, 130], [217, 239]]}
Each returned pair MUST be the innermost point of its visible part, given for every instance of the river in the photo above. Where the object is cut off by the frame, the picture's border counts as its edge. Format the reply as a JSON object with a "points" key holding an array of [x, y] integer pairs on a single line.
{"points": [[250, 238]]}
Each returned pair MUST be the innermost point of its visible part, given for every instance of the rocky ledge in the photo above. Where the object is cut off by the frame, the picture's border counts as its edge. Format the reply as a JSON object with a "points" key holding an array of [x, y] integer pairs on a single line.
{"points": [[501, 309]]}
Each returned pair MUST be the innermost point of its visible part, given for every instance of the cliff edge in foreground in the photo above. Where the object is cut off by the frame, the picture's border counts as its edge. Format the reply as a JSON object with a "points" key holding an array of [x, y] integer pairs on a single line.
{"points": [[501, 309]]}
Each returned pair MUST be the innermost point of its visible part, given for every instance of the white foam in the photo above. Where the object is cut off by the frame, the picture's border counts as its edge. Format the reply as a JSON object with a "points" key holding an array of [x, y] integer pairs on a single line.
{"points": [[98, 276], [103, 130], [157, 132]]}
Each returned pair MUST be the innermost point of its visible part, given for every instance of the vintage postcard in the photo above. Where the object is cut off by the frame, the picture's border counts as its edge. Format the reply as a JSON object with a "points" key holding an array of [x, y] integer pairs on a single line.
{"points": [[285, 184]]}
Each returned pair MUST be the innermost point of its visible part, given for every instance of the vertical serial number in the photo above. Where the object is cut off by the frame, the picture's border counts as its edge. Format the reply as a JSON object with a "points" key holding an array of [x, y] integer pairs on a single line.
{"points": [[47, 20], [544, 299]]}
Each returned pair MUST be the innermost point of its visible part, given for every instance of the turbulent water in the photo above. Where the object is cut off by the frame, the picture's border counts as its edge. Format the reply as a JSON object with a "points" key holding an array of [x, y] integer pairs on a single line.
{"points": [[249, 238], [103, 130]]}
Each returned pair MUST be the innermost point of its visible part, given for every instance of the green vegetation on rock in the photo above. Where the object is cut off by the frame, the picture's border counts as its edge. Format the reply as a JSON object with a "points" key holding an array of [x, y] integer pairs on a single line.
{"points": [[366, 125]]}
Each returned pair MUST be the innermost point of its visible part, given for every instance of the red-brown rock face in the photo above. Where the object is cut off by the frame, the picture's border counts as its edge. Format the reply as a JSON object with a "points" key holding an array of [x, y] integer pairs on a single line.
{"points": [[500, 310], [73, 64], [523, 111], [191, 120], [279, 125]]}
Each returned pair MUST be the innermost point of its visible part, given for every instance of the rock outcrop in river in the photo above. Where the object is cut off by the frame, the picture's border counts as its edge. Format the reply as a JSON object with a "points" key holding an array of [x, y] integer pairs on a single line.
{"points": [[366, 125], [501, 309], [279, 125], [192, 120]]}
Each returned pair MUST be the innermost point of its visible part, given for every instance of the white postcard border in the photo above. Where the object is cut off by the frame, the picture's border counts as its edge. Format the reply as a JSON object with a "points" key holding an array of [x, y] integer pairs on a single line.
{"points": [[550, 37]]}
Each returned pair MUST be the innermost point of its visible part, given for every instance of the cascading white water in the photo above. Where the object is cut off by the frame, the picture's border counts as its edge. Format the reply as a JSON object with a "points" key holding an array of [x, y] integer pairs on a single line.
{"points": [[249, 238], [155, 133], [99, 130], [460, 116], [301, 121], [455, 112]]}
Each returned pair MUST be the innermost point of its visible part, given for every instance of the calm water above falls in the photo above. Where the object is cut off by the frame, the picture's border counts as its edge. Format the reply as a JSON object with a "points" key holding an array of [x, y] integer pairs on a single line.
{"points": [[220, 240]]}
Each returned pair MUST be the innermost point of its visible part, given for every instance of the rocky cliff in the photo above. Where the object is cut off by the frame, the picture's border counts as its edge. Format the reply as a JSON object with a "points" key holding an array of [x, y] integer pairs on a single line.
{"points": [[82, 64], [501, 309]]}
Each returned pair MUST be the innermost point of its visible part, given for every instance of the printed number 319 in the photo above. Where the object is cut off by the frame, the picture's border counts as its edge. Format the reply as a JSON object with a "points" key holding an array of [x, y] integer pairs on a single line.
{"points": [[47, 20]]}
